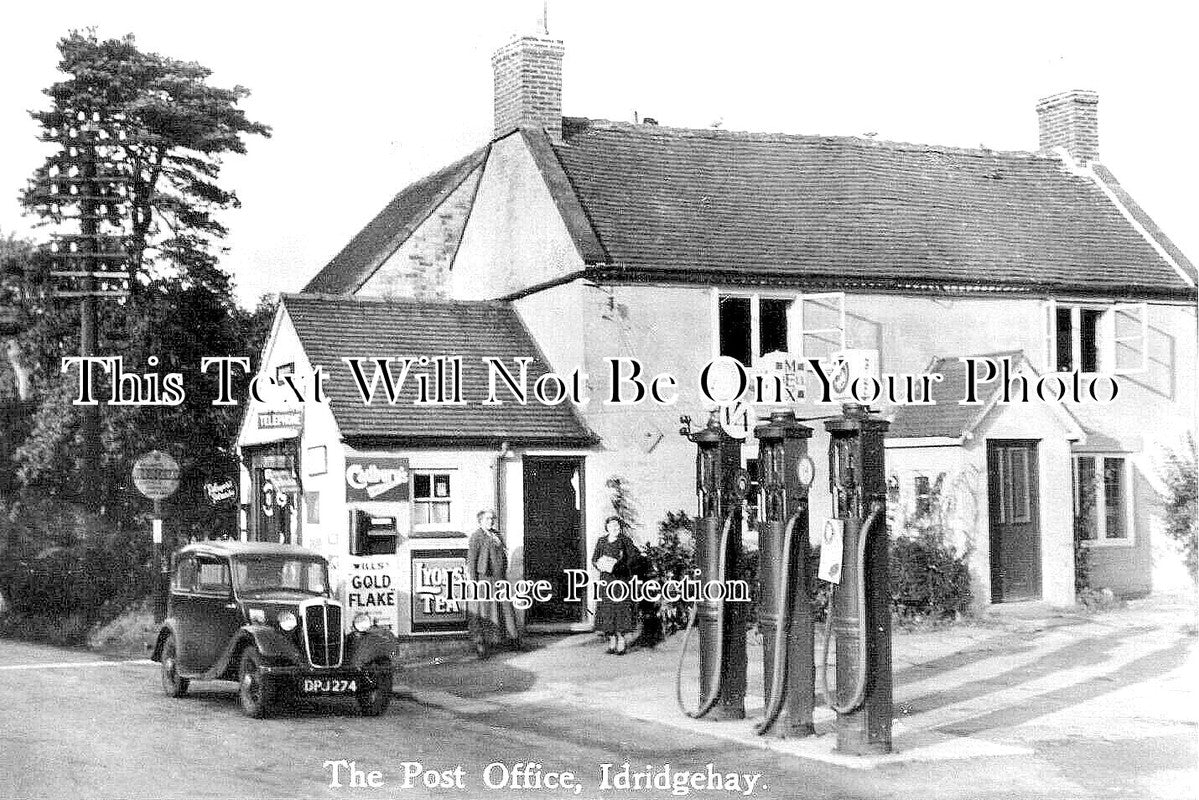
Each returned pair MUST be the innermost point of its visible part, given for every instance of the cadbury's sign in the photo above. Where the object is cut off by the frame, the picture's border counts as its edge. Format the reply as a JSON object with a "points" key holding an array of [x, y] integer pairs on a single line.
{"points": [[384, 478]]}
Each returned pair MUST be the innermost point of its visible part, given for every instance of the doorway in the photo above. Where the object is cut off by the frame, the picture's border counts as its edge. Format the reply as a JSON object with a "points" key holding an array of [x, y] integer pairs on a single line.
{"points": [[1015, 519], [553, 492]]}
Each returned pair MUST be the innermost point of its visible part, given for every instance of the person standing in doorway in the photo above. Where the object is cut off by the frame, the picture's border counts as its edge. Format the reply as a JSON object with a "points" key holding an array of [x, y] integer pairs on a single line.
{"points": [[614, 556], [491, 622]]}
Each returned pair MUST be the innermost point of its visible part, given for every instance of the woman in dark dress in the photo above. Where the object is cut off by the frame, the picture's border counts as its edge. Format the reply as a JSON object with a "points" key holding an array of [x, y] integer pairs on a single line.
{"points": [[614, 556]]}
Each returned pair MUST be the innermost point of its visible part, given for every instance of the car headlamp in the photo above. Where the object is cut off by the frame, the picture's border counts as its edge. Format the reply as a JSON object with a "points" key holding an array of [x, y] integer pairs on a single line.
{"points": [[363, 622], [287, 620]]}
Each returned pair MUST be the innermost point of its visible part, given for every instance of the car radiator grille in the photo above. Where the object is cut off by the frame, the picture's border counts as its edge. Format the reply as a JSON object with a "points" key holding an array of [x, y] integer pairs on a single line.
{"points": [[322, 629]]}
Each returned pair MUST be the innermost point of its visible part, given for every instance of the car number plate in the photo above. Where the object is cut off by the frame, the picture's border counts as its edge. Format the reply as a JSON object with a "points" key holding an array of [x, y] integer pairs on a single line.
{"points": [[328, 686]]}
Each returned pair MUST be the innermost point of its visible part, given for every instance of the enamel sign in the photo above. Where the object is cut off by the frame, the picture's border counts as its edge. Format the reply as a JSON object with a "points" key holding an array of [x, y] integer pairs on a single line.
{"points": [[381, 479]]}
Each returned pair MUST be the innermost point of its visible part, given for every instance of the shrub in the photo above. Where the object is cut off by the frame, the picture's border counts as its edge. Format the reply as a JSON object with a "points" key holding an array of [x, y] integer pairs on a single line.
{"points": [[1084, 530], [928, 577], [1180, 501], [673, 558], [63, 571]]}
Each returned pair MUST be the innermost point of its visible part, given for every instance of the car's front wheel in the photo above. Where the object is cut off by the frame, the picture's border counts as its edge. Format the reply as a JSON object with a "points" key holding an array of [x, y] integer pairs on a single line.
{"points": [[374, 700], [255, 699], [172, 684]]}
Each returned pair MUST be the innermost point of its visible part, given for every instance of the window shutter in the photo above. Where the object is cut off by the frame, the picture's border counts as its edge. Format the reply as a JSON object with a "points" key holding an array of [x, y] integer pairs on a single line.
{"points": [[1050, 328], [1130, 338], [822, 324]]}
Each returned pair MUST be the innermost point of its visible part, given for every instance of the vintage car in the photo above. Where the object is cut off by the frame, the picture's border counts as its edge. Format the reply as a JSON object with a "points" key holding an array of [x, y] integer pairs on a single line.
{"points": [[263, 615]]}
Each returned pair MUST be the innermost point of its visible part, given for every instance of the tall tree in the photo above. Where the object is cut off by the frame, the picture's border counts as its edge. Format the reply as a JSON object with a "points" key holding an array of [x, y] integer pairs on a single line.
{"points": [[168, 130], [159, 132]]}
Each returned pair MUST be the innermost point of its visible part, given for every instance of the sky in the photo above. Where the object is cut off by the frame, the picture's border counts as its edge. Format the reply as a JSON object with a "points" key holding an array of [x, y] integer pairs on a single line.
{"points": [[365, 97]]}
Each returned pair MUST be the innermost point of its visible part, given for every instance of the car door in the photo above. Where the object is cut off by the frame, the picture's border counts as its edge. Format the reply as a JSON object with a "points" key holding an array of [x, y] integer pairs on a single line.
{"points": [[215, 615], [184, 612]]}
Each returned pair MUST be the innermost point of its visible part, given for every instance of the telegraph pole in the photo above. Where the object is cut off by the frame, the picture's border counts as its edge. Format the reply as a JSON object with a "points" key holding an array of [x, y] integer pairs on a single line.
{"points": [[91, 261]]}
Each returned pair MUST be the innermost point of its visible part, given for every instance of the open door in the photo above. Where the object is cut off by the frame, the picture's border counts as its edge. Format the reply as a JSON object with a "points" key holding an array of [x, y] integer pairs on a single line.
{"points": [[553, 499], [1015, 520]]}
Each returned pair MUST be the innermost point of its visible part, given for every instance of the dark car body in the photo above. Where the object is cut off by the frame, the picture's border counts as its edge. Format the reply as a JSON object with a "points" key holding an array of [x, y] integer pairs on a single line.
{"points": [[263, 615]]}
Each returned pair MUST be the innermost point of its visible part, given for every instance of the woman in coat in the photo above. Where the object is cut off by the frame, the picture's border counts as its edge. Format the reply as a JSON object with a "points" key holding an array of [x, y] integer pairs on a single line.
{"points": [[615, 556]]}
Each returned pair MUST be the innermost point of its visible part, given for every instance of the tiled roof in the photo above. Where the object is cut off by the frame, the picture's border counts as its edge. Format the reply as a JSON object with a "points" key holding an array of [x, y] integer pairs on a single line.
{"points": [[383, 235], [846, 210], [948, 418], [332, 328]]}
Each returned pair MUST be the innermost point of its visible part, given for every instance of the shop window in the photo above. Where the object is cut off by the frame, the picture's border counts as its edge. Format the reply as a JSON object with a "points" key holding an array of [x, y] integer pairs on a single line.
{"points": [[1110, 339], [432, 499], [752, 325], [1101, 498]]}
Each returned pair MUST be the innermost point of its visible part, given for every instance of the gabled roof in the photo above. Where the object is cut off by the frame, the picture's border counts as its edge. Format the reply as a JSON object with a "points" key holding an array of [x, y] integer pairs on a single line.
{"points": [[651, 202], [383, 235], [948, 418], [845, 211], [333, 328]]}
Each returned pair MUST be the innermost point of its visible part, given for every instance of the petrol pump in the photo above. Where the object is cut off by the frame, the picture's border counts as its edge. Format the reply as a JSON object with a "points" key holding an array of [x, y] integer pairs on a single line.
{"points": [[854, 558], [721, 484], [785, 574]]}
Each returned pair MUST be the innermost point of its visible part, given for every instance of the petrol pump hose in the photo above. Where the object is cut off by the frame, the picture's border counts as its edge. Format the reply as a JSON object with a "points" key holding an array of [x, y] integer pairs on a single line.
{"points": [[706, 703], [777, 683], [859, 692]]}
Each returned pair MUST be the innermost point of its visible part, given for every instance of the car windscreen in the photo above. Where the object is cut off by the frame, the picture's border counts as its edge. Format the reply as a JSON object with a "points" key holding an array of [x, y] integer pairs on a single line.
{"points": [[252, 574]]}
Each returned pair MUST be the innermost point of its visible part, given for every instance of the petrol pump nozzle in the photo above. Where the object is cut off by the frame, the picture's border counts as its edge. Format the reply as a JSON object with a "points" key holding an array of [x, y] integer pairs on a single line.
{"points": [[859, 692], [778, 684], [706, 703]]}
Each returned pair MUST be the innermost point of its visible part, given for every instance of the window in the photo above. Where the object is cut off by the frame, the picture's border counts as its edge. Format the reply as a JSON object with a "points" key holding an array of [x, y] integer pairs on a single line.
{"points": [[1101, 498], [1013, 473], [185, 575], [312, 508], [213, 577], [284, 370], [1109, 339], [924, 496], [431, 499], [752, 325], [267, 574]]}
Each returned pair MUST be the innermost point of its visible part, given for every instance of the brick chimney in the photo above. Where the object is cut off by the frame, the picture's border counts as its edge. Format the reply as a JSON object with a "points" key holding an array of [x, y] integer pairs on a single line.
{"points": [[528, 85], [1071, 120]]}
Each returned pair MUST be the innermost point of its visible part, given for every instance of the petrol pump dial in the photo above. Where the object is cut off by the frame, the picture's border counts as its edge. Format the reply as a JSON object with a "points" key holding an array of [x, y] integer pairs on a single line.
{"points": [[805, 470]]}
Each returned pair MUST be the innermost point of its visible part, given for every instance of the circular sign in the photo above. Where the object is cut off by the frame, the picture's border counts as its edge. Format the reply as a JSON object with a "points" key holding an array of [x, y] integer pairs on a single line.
{"points": [[806, 471], [156, 475], [840, 380]]}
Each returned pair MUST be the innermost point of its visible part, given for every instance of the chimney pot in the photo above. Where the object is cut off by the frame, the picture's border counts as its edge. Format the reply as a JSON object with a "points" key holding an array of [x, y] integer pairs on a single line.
{"points": [[528, 85], [1070, 120]]}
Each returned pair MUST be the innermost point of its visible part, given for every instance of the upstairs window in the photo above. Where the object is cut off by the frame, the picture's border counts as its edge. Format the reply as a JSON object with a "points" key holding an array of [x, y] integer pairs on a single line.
{"points": [[752, 325], [1109, 339]]}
